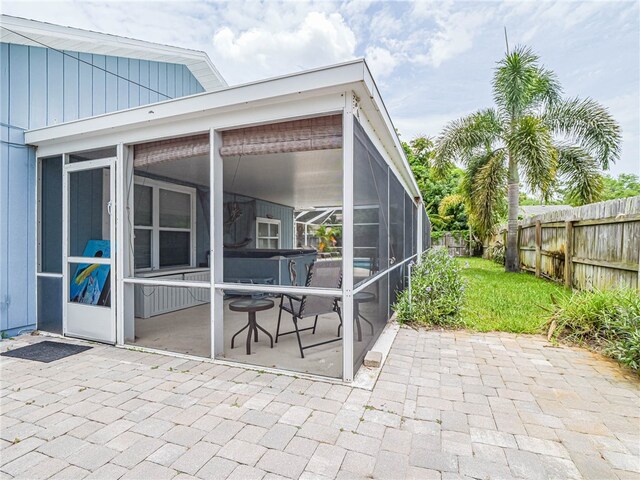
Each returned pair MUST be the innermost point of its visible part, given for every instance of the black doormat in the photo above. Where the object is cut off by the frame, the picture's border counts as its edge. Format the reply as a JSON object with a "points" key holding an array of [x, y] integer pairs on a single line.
{"points": [[46, 351]]}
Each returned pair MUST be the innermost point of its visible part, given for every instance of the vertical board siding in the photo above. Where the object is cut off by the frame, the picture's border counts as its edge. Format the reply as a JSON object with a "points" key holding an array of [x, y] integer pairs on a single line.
{"points": [[20, 258], [123, 85], [111, 100], [99, 90], [85, 86], [280, 212], [4, 83], [71, 86], [18, 88], [4, 233], [144, 81], [153, 83], [134, 88], [40, 87], [55, 81]]}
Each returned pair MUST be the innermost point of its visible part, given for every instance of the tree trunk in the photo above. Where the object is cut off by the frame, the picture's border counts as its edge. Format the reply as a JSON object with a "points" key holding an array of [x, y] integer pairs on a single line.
{"points": [[512, 260]]}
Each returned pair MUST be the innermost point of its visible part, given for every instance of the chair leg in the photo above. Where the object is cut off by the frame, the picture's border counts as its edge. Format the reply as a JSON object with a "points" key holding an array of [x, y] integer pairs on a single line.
{"points": [[295, 324], [279, 317], [313, 332]]}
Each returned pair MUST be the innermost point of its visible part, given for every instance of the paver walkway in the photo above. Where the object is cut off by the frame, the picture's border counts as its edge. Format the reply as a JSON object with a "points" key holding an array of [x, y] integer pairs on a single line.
{"points": [[447, 405]]}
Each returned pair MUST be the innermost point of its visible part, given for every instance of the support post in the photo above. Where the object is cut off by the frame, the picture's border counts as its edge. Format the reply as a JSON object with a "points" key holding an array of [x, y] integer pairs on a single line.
{"points": [[568, 254], [518, 238], [538, 248], [120, 243], [347, 237], [216, 242]]}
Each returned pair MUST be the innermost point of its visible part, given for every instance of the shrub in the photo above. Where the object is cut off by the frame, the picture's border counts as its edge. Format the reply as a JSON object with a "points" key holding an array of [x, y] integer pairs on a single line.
{"points": [[608, 321], [497, 253], [436, 291]]}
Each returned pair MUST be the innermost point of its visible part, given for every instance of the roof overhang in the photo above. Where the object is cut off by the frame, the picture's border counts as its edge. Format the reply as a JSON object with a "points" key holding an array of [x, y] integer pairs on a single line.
{"points": [[22, 31], [305, 86]]}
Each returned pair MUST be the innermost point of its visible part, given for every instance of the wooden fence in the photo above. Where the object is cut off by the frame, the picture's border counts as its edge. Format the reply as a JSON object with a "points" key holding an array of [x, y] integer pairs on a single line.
{"points": [[594, 246], [457, 245]]}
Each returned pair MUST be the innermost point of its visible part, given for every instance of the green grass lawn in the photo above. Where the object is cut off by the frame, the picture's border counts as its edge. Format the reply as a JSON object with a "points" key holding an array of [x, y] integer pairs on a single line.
{"points": [[508, 302]]}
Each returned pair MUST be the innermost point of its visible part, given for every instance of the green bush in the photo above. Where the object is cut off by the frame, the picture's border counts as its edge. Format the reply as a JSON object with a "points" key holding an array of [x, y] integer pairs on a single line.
{"points": [[436, 291], [608, 321]]}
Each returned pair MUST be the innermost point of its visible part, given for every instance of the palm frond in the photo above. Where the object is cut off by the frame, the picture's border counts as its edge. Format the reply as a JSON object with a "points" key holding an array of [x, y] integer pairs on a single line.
{"points": [[588, 124], [461, 137], [532, 145], [520, 83], [580, 172], [484, 188]]}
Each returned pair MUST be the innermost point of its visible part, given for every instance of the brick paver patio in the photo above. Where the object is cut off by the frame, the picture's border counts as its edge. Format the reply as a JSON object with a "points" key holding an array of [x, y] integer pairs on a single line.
{"points": [[447, 405]]}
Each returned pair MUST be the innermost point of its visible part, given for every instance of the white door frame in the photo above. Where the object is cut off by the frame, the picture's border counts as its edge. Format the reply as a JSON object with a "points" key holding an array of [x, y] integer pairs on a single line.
{"points": [[69, 168]]}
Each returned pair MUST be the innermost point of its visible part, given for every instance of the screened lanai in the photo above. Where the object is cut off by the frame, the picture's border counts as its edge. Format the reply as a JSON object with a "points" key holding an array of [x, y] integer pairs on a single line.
{"points": [[276, 236]]}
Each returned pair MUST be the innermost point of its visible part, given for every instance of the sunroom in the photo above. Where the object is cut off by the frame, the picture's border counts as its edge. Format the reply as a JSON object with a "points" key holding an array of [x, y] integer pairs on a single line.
{"points": [[270, 224]]}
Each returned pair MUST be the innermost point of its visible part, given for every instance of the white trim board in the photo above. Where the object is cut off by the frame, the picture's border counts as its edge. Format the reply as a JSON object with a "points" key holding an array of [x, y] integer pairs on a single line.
{"points": [[86, 41]]}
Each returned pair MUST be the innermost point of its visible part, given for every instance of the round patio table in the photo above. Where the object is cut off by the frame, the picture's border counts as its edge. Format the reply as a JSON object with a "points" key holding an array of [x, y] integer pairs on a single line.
{"points": [[251, 306]]}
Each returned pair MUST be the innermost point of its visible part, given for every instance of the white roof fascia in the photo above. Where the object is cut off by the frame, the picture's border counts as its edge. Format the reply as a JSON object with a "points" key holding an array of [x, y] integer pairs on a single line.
{"points": [[329, 78], [353, 75], [85, 41]]}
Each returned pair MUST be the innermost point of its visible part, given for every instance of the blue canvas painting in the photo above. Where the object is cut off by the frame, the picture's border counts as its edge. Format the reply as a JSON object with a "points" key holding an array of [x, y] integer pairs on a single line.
{"points": [[90, 283]]}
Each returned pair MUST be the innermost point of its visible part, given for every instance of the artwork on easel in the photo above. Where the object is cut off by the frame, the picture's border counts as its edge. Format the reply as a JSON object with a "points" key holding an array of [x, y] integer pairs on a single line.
{"points": [[90, 283]]}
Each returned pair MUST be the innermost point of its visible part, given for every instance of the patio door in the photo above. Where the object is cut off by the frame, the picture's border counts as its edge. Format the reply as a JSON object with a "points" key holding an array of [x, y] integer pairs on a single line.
{"points": [[89, 250]]}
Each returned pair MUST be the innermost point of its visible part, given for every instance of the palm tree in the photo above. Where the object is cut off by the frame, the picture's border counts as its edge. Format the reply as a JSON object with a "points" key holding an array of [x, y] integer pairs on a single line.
{"points": [[532, 134]]}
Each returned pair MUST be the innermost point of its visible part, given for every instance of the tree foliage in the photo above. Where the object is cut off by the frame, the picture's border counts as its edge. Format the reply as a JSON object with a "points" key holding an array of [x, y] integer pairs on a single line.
{"points": [[532, 135], [626, 185], [420, 152]]}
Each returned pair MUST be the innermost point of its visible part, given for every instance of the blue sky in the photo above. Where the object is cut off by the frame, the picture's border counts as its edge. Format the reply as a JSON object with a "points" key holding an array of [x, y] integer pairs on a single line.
{"points": [[432, 60]]}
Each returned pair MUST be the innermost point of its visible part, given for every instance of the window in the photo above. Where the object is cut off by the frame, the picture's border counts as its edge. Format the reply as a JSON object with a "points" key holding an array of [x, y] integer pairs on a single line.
{"points": [[267, 233], [164, 235]]}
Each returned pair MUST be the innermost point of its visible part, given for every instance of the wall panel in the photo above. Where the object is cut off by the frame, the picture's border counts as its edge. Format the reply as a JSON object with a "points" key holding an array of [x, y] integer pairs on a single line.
{"points": [[40, 87]]}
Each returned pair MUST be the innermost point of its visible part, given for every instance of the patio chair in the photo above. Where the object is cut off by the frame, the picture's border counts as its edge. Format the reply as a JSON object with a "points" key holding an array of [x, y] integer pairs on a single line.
{"points": [[323, 274]]}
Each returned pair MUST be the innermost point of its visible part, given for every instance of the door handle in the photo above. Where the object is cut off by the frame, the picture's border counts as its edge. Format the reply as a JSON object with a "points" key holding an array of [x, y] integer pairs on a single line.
{"points": [[109, 207]]}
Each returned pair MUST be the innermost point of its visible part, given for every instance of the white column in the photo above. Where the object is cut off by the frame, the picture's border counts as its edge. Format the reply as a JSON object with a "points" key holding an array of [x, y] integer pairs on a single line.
{"points": [[119, 251], [124, 259], [216, 220], [347, 238]]}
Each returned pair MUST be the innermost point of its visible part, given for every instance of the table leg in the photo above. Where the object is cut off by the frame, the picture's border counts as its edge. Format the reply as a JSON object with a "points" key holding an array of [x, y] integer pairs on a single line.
{"points": [[268, 334], [252, 326], [356, 316], [238, 333]]}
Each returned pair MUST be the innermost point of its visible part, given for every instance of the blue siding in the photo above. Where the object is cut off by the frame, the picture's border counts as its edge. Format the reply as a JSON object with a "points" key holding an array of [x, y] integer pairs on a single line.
{"points": [[85, 85], [55, 81], [275, 211], [40, 87], [70, 86]]}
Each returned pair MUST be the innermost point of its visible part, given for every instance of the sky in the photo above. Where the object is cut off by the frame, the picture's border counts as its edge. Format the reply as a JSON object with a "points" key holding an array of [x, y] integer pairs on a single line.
{"points": [[432, 60]]}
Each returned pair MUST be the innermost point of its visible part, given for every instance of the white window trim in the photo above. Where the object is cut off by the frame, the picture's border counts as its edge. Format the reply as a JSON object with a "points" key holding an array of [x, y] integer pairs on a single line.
{"points": [[272, 221], [155, 228]]}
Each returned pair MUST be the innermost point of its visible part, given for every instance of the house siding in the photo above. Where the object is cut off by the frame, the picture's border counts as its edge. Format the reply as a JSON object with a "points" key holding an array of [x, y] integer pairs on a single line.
{"points": [[269, 210], [41, 87]]}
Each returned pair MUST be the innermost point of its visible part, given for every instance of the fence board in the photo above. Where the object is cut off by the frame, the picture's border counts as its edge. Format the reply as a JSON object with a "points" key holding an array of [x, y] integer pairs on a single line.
{"points": [[603, 250]]}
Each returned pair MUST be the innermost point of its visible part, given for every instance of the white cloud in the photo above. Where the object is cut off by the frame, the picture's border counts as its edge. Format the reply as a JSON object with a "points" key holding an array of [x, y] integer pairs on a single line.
{"points": [[319, 39], [455, 35], [381, 61]]}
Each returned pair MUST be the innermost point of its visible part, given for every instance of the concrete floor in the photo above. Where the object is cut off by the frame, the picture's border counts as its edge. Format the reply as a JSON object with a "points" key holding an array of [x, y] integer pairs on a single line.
{"points": [[188, 331]]}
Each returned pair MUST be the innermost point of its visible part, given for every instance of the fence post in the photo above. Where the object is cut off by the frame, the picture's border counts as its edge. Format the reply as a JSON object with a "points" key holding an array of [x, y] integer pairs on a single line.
{"points": [[538, 247], [518, 236], [568, 254]]}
